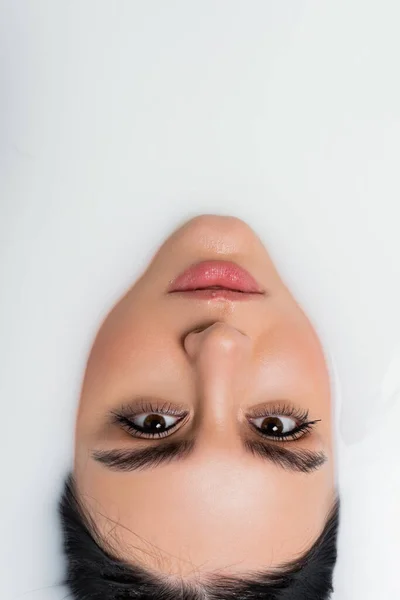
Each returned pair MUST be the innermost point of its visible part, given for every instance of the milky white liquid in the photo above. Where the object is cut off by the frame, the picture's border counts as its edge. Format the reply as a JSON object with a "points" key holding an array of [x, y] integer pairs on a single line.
{"points": [[118, 121]]}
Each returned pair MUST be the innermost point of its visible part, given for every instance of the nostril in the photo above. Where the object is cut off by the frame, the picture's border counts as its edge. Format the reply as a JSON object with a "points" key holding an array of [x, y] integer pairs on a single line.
{"points": [[226, 333], [199, 329], [205, 325]]}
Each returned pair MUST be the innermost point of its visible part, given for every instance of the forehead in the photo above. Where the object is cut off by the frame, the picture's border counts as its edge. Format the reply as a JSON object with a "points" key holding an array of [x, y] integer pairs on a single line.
{"points": [[211, 514]]}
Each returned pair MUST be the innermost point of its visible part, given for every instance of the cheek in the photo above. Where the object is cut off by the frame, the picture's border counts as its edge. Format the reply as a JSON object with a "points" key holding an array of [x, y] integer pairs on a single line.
{"points": [[142, 359], [130, 355], [290, 356]]}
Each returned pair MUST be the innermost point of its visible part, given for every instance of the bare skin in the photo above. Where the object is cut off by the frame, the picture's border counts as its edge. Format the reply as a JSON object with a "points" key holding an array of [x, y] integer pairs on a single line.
{"points": [[219, 508]]}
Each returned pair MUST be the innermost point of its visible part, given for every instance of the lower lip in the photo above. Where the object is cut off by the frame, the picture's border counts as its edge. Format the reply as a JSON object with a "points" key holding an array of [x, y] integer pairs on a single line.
{"points": [[200, 280], [218, 295]]}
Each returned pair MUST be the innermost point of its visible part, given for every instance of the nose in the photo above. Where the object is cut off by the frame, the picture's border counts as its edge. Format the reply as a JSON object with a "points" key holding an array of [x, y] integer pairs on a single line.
{"points": [[220, 355], [217, 342]]}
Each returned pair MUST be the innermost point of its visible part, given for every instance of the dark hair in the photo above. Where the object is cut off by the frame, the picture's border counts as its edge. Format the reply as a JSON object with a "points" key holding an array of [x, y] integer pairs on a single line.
{"points": [[94, 574]]}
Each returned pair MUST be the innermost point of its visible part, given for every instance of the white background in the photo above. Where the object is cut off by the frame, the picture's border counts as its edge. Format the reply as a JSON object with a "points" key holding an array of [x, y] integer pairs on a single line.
{"points": [[120, 119]]}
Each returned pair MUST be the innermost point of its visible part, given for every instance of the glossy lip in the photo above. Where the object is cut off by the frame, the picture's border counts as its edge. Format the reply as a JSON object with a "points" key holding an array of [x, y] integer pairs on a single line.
{"points": [[215, 279], [218, 295]]}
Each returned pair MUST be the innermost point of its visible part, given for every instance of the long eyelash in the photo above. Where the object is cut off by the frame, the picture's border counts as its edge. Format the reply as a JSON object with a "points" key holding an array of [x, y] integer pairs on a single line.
{"points": [[131, 427], [127, 412], [299, 432], [285, 410]]}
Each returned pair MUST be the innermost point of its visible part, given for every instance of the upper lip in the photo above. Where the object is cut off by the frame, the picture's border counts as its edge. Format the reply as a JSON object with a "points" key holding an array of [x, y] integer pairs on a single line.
{"points": [[215, 275]]}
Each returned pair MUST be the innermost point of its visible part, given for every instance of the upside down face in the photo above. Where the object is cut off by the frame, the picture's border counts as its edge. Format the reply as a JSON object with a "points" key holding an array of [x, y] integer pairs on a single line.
{"points": [[203, 439]]}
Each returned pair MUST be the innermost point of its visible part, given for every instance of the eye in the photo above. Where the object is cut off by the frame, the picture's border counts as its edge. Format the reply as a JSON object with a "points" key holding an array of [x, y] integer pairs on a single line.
{"points": [[150, 424], [154, 423], [280, 427]]}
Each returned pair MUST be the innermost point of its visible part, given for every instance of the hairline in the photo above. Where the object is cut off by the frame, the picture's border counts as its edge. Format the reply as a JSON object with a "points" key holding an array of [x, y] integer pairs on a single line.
{"points": [[275, 575]]}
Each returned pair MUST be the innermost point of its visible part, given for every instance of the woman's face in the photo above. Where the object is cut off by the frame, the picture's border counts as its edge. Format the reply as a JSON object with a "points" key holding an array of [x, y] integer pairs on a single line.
{"points": [[203, 438]]}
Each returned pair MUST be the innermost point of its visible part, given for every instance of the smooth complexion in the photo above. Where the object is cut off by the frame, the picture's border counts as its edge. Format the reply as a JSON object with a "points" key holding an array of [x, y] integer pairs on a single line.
{"points": [[212, 492]]}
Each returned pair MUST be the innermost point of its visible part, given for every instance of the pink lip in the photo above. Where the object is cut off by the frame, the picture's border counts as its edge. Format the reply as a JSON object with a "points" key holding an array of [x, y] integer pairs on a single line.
{"points": [[216, 279]]}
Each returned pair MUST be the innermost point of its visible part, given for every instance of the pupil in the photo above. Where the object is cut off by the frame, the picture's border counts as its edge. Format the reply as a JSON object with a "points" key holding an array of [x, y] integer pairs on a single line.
{"points": [[154, 422], [272, 425]]}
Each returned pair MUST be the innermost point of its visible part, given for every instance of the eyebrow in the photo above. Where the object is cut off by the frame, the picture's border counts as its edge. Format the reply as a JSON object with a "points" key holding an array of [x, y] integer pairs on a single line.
{"points": [[144, 458], [304, 461]]}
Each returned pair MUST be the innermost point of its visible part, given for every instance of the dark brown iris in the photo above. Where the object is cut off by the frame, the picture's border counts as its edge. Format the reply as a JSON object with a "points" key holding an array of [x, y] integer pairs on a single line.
{"points": [[272, 426], [154, 423]]}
